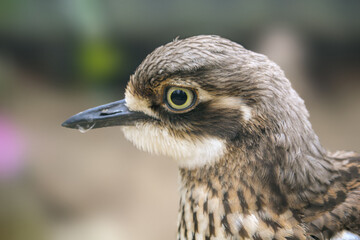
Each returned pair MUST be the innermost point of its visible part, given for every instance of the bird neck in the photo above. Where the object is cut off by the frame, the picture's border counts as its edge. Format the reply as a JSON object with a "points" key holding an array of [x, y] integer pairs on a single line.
{"points": [[250, 187]]}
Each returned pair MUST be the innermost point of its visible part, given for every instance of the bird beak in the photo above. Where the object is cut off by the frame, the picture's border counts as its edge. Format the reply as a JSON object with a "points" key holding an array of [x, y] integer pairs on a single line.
{"points": [[111, 114]]}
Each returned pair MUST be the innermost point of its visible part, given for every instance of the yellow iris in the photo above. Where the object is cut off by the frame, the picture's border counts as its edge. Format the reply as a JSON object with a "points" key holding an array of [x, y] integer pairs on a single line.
{"points": [[179, 98]]}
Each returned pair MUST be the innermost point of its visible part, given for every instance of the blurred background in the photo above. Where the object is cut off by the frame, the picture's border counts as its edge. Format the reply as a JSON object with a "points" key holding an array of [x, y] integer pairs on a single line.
{"points": [[60, 57]]}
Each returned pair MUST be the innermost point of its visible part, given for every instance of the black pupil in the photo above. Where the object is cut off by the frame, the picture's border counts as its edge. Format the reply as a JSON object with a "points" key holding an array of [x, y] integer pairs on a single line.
{"points": [[178, 97]]}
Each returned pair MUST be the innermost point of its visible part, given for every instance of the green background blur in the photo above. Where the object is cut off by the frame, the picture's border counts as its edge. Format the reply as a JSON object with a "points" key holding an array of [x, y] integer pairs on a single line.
{"points": [[59, 57]]}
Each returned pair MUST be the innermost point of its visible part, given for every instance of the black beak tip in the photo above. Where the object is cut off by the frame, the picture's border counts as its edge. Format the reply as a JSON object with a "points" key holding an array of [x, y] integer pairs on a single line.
{"points": [[69, 123], [65, 124]]}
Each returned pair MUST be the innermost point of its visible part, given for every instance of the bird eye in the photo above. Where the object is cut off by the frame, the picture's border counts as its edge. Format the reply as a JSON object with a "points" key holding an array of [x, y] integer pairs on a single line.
{"points": [[179, 98]]}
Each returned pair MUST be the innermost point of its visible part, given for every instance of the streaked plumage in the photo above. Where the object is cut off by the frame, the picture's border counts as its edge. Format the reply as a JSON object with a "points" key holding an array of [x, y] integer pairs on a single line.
{"points": [[251, 166]]}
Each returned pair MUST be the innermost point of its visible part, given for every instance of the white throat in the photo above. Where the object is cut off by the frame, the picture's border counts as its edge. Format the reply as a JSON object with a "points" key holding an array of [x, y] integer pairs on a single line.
{"points": [[189, 153]]}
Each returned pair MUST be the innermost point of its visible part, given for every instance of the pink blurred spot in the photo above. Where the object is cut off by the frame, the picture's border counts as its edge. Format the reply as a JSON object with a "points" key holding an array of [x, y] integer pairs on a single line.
{"points": [[11, 149]]}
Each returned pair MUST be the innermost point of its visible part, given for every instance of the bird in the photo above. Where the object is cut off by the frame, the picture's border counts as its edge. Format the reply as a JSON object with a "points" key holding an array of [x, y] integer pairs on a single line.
{"points": [[250, 164]]}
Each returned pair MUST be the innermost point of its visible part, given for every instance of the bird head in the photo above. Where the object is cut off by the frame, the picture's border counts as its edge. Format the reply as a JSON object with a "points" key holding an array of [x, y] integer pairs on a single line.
{"points": [[194, 99]]}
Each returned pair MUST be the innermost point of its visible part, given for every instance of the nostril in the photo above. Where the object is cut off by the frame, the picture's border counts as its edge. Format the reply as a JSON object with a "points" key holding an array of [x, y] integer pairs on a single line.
{"points": [[106, 111]]}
